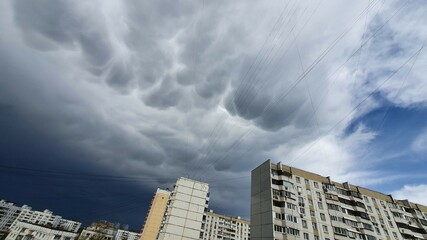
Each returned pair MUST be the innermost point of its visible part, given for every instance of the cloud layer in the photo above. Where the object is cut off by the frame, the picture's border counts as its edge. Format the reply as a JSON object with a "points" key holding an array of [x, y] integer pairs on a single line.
{"points": [[210, 90]]}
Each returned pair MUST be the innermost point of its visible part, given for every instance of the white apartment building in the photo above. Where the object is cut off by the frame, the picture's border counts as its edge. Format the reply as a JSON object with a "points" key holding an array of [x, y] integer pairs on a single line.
{"points": [[46, 218], [8, 213], [289, 203], [186, 211], [218, 226], [127, 235], [29, 231]]}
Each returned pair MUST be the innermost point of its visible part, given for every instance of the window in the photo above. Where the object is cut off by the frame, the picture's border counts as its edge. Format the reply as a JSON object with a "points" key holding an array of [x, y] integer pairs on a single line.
{"points": [[300, 199], [369, 209], [391, 224], [312, 213], [333, 206], [322, 216], [316, 184], [310, 202], [366, 199], [306, 182], [304, 223], [306, 236], [318, 195], [325, 228], [292, 218], [340, 231], [394, 235], [308, 192], [315, 226], [291, 206], [302, 210], [368, 226], [316, 237], [297, 179], [369, 237], [299, 189], [386, 232], [378, 231], [320, 205]]}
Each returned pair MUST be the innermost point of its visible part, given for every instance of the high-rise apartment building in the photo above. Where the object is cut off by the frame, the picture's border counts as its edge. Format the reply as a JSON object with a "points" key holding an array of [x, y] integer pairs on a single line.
{"points": [[186, 211], [8, 213], [218, 226], [155, 215], [289, 203]]}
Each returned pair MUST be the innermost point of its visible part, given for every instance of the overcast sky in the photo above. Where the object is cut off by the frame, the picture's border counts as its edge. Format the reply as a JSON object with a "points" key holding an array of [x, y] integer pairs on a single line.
{"points": [[149, 91]]}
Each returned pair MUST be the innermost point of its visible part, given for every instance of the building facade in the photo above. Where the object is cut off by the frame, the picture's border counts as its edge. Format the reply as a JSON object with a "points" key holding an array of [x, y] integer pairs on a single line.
{"points": [[127, 235], [155, 215], [218, 226], [30, 231], [101, 230], [46, 218], [186, 211], [8, 213], [289, 203]]}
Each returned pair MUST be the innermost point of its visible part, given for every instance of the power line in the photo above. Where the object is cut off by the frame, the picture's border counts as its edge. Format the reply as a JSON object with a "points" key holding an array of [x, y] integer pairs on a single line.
{"points": [[358, 105]]}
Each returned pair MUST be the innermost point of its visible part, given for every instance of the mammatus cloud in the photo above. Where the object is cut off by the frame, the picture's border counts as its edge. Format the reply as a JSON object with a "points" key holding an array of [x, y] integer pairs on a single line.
{"points": [[210, 89], [414, 193]]}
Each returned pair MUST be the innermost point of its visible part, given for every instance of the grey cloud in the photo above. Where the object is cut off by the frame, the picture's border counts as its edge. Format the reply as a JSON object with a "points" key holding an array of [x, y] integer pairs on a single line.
{"points": [[165, 95], [181, 66], [51, 25]]}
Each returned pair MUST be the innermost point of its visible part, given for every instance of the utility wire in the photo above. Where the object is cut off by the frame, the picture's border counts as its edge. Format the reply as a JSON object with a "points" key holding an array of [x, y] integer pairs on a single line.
{"points": [[358, 105]]}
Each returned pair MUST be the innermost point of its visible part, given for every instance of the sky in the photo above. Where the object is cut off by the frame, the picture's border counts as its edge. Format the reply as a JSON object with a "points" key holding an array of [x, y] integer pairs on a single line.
{"points": [[101, 102]]}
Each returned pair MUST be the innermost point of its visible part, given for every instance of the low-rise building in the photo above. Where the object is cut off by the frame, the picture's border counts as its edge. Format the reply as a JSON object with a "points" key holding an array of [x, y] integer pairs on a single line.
{"points": [[103, 230], [46, 218], [30, 231]]}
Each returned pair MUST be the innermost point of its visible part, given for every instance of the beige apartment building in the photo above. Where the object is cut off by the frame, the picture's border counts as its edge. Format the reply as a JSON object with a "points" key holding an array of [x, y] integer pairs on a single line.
{"points": [[155, 215], [219, 226], [289, 203]]}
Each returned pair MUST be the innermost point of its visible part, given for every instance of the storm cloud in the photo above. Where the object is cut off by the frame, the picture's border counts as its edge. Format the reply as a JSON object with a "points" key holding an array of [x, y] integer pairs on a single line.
{"points": [[205, 89]]}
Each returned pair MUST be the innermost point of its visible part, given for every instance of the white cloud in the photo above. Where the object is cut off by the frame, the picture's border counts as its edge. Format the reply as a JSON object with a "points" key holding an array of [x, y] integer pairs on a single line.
{"points": [[419, 145], [414, 193]]}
